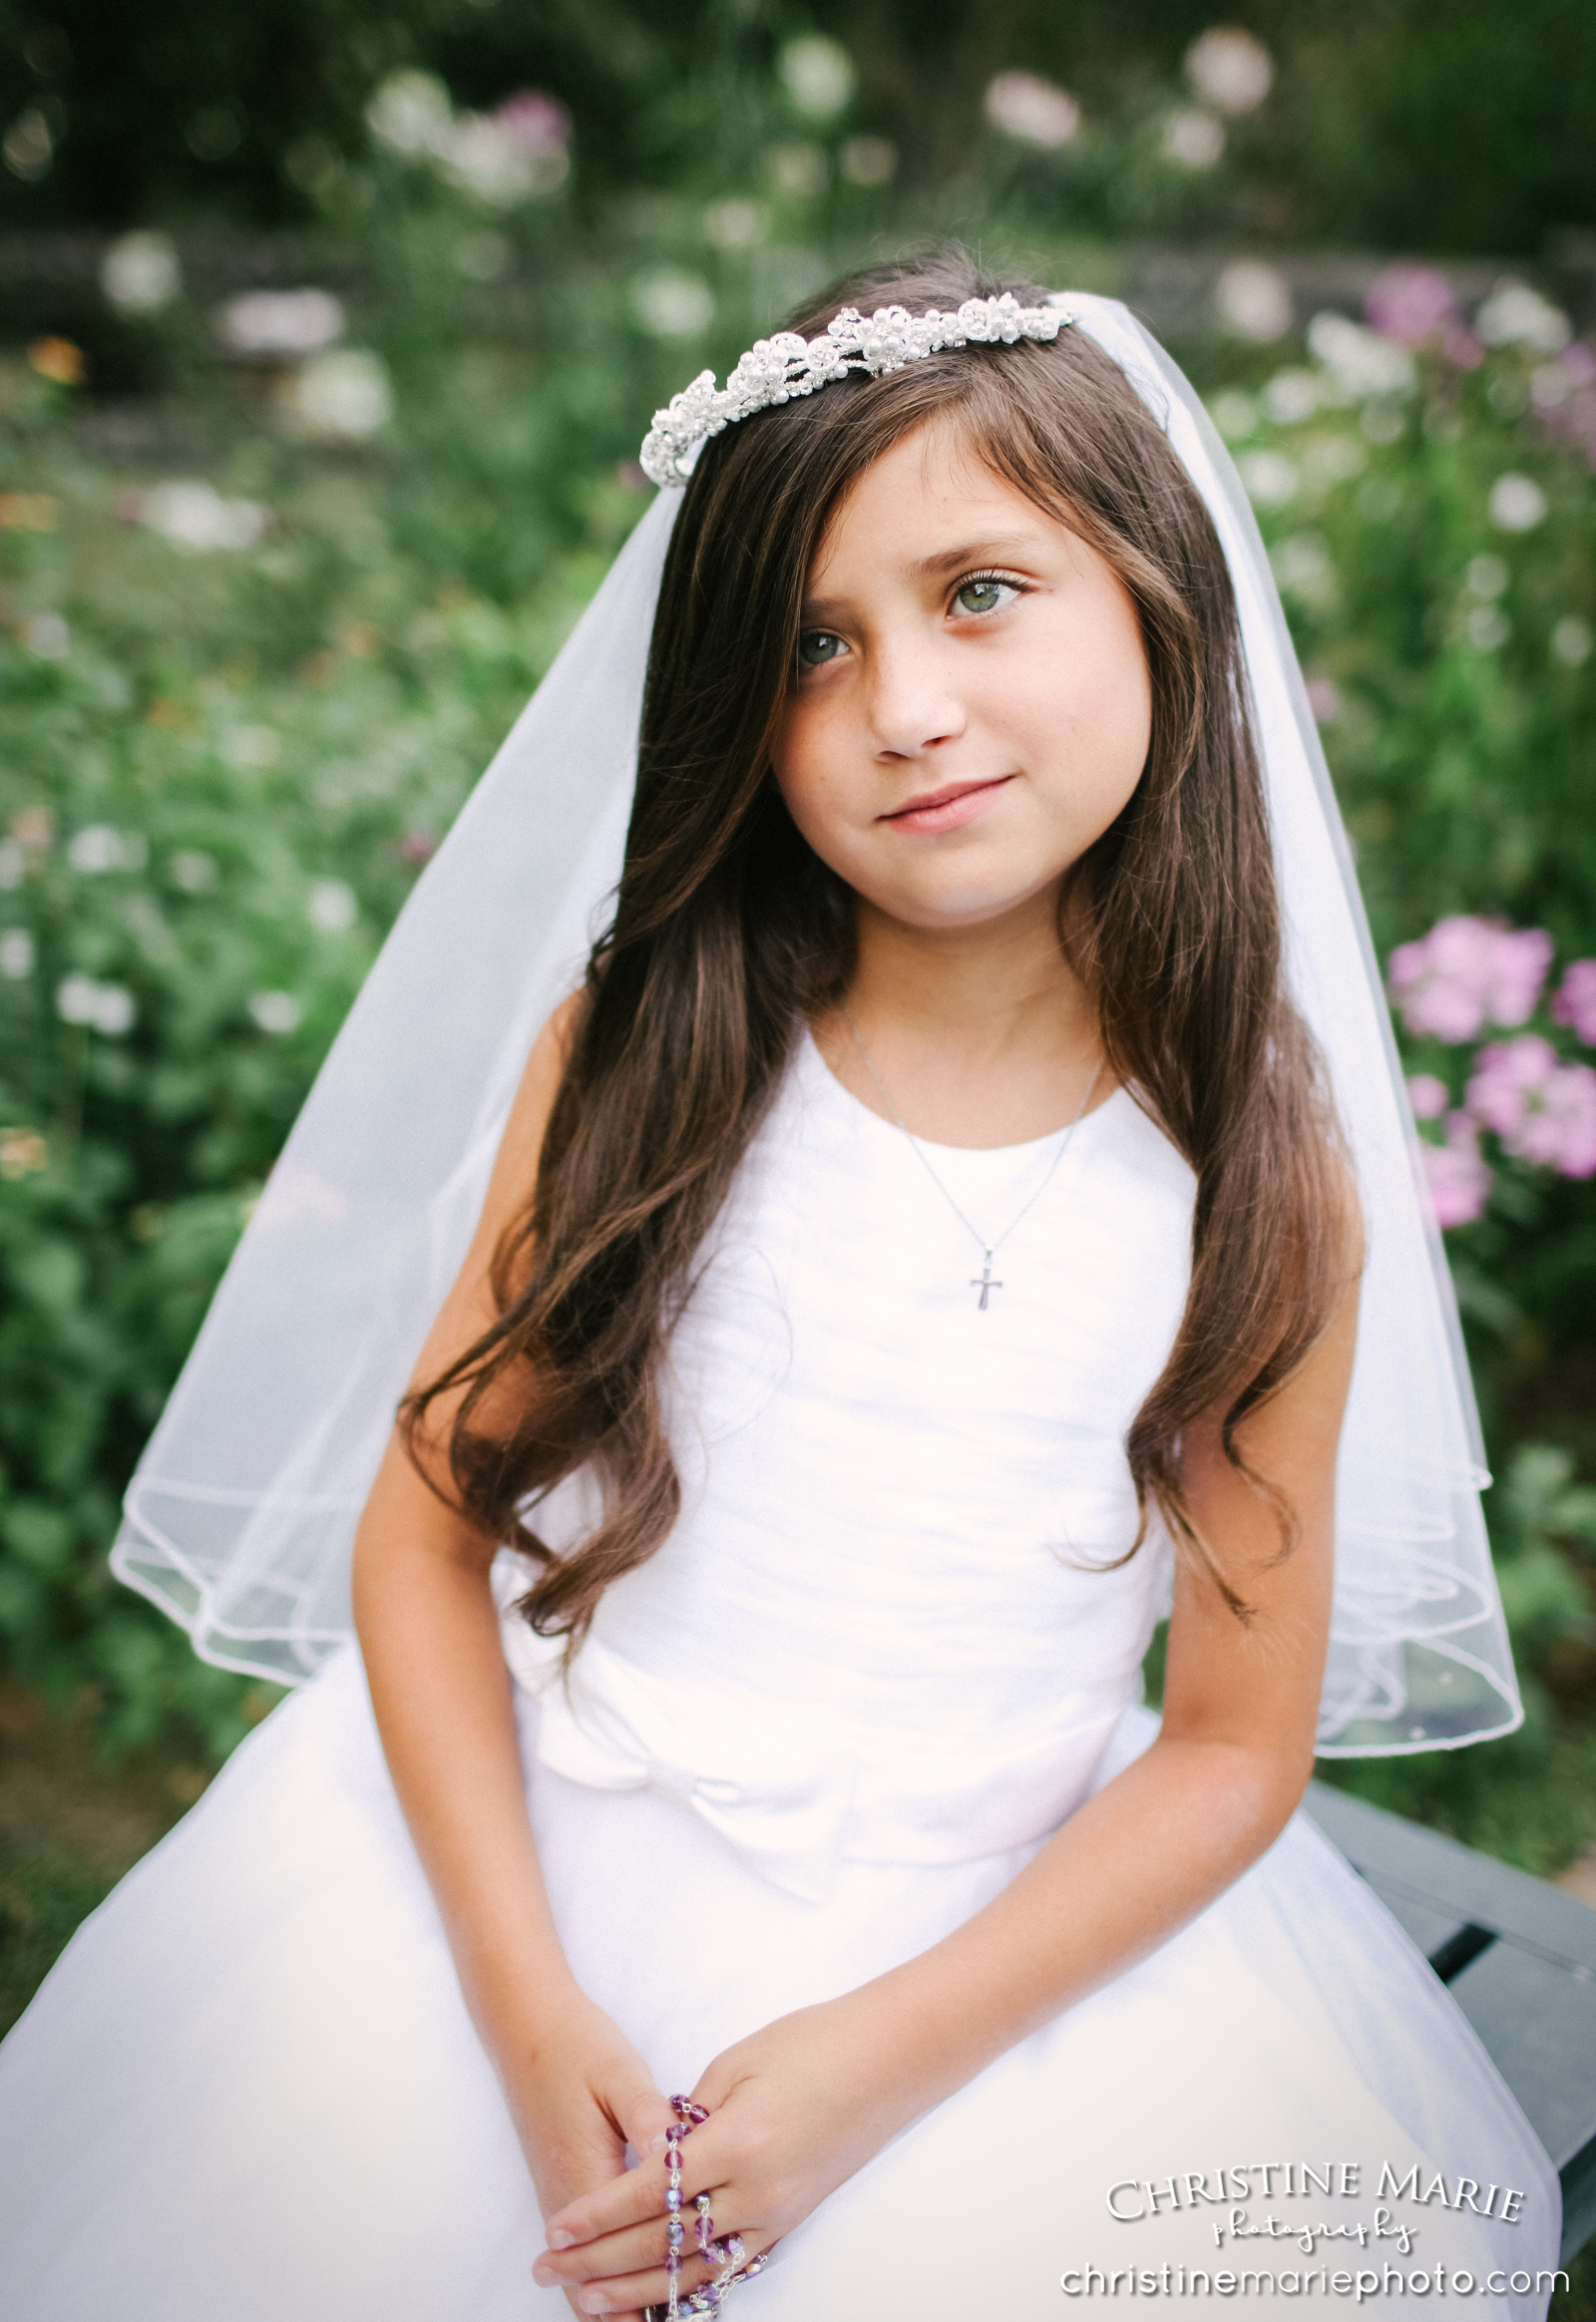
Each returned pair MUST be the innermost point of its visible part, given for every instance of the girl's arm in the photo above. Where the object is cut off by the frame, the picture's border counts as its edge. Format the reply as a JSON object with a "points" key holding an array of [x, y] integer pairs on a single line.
{"points": [[802, 2105], [441, 1690]]}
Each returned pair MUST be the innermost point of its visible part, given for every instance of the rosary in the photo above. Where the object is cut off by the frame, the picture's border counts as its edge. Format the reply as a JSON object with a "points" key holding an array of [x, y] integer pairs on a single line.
{"points": [[728, 2257]]}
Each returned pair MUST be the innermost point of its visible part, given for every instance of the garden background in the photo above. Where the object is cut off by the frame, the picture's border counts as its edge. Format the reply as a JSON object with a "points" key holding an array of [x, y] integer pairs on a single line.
{"points": [[327, 337]]}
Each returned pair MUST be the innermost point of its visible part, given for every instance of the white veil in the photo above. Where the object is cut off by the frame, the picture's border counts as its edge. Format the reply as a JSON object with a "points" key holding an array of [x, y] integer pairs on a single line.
{"points": [[240, 1515]]}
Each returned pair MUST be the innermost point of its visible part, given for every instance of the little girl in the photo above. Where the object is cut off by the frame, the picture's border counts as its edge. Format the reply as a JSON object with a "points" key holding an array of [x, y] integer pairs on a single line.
{"points": [[927, 1248]]}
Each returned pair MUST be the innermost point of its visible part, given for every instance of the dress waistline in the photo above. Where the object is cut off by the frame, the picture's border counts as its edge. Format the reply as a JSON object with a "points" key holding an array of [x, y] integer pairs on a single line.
{"points": [[793, 1801]]}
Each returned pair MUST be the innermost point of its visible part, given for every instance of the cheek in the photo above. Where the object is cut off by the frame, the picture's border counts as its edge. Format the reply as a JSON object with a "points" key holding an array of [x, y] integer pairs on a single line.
{"points": [[800, 763]]}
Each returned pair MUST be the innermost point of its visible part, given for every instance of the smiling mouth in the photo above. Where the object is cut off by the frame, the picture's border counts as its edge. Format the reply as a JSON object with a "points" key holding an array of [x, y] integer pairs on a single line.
{"points": [[945, 809]]}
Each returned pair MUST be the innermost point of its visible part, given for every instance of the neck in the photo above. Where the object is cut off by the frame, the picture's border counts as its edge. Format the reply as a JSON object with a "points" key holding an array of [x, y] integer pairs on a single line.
{"points": [[981, 1036]]}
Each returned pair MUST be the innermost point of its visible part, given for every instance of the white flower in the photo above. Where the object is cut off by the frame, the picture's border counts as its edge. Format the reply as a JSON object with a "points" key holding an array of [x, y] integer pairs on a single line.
{"points": [[1271, 479], [343, 396], [1516, 504], [1230, 68], [410, 112], [798, 170], [819, 76], [140, 273], [1235, 414], [1302, 567], [275, 1012], [1487, 626], [331, 908], [196, 515], [1572, 641], [1333, 459], [1291, 396], [16, 953], [1488, 576], [47, 636], [280, 322], [251, 745], [1359, 361], [1254, 301], [1193, 138], [1031, 110], [194, 871], [29, 148], [1514, 315], [671, 305], [483, 156], [868, 161], [733, 226], [97, 846], [105, 1007]]}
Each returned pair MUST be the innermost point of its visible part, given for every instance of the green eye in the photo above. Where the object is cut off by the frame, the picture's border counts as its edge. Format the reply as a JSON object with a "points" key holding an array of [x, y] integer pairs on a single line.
{"points": [[817, 648], [979, 595]]}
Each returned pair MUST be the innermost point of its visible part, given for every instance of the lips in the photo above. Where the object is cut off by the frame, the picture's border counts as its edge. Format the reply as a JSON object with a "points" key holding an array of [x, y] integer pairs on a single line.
{"points": [[945, 809]]}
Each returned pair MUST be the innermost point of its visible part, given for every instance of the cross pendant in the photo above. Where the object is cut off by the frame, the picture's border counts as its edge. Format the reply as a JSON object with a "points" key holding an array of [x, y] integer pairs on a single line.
{"points": [[983, 1282]]}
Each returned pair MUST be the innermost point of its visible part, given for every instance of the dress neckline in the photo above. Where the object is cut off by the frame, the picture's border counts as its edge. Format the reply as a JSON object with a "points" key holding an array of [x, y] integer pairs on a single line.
{"points": [[820, 1070]]}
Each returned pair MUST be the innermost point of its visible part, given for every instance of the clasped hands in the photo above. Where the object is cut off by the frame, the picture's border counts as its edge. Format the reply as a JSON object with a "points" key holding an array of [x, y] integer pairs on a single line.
{"points": [[794, 2111]]}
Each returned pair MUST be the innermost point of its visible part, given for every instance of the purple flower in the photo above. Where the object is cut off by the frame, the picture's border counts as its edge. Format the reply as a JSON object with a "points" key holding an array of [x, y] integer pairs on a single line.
{"points": [[1456, 1175], [1542, 1110], [1428, 1096], [1408, 302], [1574, 1002], [1466, 974], [1510, 1077]]}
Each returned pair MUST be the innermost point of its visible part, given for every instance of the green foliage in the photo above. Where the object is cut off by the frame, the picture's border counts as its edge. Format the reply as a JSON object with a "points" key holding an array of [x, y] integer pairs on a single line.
{"points": [[1453, 663], [42, 1899], [1442, 125]]}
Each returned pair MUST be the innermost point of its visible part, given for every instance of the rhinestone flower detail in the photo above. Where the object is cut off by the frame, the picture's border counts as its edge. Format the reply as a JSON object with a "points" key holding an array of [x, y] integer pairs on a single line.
{"points": [[774, 370]]}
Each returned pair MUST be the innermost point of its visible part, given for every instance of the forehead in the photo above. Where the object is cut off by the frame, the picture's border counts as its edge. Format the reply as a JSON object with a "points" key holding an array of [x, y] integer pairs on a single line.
{"points": [[928, 490]]}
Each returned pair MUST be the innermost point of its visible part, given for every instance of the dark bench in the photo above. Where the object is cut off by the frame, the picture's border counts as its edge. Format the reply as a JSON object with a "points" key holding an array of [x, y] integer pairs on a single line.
{"points": [[1518, 1957]]}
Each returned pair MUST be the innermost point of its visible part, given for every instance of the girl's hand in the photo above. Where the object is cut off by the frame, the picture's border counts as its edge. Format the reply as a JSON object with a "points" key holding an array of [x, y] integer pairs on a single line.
{"points": [[794, 2110], [577, 2101]]}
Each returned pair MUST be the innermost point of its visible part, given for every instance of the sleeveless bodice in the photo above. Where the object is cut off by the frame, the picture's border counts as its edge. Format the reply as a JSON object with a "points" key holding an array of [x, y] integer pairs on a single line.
{"points": [[889, 1624]]}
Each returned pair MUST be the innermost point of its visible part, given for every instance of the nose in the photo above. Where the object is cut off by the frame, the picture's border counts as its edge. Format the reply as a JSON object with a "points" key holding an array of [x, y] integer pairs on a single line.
{"points": [[913, 704]]}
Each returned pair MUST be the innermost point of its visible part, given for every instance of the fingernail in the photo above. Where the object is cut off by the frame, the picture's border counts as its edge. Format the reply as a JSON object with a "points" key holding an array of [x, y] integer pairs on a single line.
{"points": [[657, 2144], [561, 2239], [596, 2303], [544, 2275]]}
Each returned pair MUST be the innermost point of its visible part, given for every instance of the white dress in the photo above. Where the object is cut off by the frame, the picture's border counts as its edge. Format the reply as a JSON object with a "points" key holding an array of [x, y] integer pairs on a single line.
{"points": [[875, 1665]]}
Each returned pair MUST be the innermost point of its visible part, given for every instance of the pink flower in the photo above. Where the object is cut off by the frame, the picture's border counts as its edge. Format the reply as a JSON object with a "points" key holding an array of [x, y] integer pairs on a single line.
{"points": [[1466, 974], [1509, 1077], [1407, 302], [1456, 1175], [1574, 1002], [1542, 1110], [535, 121], [1563, 1135], [1428, 1096]]}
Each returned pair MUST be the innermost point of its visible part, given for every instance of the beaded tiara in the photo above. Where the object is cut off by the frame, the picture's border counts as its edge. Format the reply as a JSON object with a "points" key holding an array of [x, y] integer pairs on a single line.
{"points": [[776, 369]]}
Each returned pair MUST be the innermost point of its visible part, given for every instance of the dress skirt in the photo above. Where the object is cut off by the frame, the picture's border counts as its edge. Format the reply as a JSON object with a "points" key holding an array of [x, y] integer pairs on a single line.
{"points": [[249, 2091]]}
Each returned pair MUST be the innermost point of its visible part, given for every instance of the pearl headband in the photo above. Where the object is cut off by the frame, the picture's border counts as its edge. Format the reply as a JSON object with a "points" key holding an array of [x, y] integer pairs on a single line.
{"points": [[776, 369]]}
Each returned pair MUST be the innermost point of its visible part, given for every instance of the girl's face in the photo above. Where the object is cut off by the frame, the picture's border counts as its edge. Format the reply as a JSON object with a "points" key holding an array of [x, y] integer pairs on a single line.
{"points": [[972, 706]]}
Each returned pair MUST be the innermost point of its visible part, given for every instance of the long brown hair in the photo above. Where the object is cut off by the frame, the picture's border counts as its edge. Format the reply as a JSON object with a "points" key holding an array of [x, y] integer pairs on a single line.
{"points": [[728, 931]]}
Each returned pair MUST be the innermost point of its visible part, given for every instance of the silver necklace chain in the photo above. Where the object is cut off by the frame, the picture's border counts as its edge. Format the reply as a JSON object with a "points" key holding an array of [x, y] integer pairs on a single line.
{"points": [[985, 1281]]}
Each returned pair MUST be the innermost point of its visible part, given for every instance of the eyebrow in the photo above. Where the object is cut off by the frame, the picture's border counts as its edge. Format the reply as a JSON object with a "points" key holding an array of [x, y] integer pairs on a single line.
{"points": [[991, 549]]}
